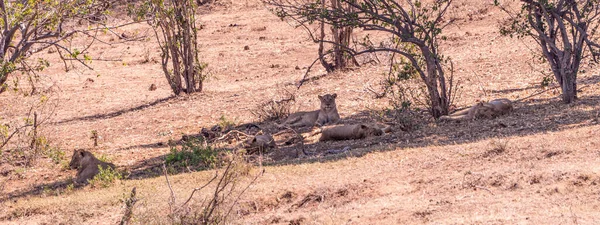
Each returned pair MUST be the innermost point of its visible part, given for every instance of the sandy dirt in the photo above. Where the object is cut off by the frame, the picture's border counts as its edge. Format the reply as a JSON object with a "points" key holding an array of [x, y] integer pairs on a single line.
{"points": [[537, 165]]}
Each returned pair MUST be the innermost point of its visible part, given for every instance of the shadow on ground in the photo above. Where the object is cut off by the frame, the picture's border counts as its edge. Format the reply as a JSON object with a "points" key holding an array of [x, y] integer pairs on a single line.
{"points": [[53, 188], [117, 113], [530, 117]]}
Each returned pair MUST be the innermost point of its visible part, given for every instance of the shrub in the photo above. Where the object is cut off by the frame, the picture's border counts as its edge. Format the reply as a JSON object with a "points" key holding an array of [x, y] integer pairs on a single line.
{"points": [[56, 154], [225, 123], [275, 109], [193, 153], [105, 177]]}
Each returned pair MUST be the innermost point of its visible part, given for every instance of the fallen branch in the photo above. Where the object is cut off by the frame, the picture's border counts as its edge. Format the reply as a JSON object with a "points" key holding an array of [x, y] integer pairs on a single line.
{"points": [[227, 135]]}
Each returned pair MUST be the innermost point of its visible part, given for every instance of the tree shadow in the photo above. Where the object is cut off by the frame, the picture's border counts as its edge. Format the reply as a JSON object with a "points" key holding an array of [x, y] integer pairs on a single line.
{"points": [[53, 188], [117, 113], [582, 82], [530, 117]]}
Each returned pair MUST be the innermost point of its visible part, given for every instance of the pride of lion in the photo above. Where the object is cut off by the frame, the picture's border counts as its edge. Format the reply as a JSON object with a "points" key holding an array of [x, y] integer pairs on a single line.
{"points": [[325, 121]]}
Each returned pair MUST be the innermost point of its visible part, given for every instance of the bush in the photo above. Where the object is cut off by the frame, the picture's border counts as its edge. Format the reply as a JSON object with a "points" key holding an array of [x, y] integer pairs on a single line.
{"points": [[105, 177], [193, 153], [275, 109], [226, 124], [56, 154]]}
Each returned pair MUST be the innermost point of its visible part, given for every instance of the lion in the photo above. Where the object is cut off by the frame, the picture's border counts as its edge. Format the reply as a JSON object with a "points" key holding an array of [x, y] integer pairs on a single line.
{"points": [[487, 110], [87, 165], [328, 114], [355, 131], [260, 142]]}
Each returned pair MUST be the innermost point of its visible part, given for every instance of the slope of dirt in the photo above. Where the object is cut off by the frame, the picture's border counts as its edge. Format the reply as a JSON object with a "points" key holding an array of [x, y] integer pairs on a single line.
{"points": [[536, 165]]}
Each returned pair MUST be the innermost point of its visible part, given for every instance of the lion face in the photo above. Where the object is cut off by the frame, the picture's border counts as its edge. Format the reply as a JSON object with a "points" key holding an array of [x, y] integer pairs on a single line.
{"points": [[76, 159], [371, 130], [328, 101]]}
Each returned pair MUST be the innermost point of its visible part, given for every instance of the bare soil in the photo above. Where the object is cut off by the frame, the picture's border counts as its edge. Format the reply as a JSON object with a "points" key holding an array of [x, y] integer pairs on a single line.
{"points": [[540, 164]]}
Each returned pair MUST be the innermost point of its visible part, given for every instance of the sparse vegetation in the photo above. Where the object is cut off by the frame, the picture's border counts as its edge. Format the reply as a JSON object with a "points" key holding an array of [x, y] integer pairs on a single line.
{"points": [[414, 28], [105, 177], [496, 147], [193, 153], [217, 207], [56, 154], [275, 109], [405, 94], [30, 27], [225, 123], [340, 35], [24, 137], [174, 24], [565, 30], [94, 137], [473, 171]]}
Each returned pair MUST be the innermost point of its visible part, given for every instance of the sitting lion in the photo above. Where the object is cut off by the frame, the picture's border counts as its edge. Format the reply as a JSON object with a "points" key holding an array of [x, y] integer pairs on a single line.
{"points": [[355, 131], [87, 165], [328, 114], [488, 110]]}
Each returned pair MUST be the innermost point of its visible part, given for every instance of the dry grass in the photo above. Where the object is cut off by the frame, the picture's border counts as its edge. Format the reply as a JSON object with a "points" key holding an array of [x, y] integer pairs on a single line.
{"points": [[275, 109], [541, 170]]}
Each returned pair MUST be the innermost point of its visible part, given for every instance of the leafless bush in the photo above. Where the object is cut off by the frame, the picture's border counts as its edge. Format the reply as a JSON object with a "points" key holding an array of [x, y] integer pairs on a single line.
{"points": [[497, 147], [215, 208], [23, 137], [275, 109], [402, 111], [174, 24], [407, 97]]}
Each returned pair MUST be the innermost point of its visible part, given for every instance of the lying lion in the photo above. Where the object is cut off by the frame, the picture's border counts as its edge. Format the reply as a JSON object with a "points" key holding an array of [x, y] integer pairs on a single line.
{"points": [[260, 143], [87, 165], [349, 132], [488, 110], [328, 114]]}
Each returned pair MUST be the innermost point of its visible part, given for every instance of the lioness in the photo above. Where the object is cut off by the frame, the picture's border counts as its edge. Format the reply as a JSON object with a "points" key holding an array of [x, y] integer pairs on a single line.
{"points": [[260, 142], [356, 131], [328, 114], [87, 165], [488, 110]]}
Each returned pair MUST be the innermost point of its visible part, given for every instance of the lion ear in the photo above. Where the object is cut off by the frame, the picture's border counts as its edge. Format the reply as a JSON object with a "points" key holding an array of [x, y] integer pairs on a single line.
{"points": [[320, 97], [334, 95], [362, 126], [82, 153]]}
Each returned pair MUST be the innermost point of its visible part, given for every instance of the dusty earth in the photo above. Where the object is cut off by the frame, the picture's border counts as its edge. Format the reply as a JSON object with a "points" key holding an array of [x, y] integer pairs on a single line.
{"points": [[537, 165]]}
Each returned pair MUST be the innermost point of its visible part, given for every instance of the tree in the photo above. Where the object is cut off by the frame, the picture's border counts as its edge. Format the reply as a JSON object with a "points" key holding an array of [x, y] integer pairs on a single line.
{"points": [[31, 26], [566, 32], [174, 24], [340, 36], [415, 29]]}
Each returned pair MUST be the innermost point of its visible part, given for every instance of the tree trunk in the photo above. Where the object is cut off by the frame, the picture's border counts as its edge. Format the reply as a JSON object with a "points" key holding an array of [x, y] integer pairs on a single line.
{"points": [[324, 63], [439, 106], [569, 87], [341, 38], [3, 78]]}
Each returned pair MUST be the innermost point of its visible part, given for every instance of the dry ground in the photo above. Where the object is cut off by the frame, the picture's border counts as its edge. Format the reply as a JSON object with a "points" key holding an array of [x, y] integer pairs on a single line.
{"points": [[537, 165]]}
